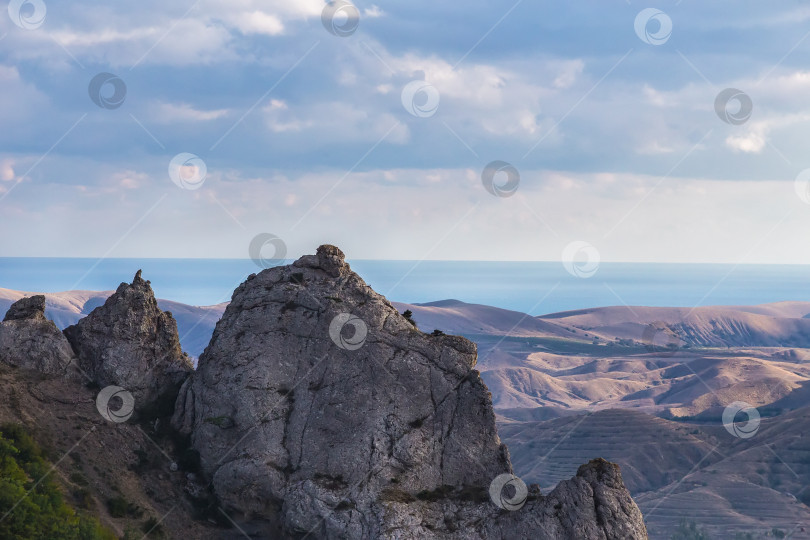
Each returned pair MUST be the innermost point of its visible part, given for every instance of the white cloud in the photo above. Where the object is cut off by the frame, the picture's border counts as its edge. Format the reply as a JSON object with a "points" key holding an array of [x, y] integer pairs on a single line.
{"points": [[373, 12], [168, 113], [569, 73], [77, 40], [257, 22], [130, 179], [7, 173], [159, 33], [335, 122], [751, 143]]}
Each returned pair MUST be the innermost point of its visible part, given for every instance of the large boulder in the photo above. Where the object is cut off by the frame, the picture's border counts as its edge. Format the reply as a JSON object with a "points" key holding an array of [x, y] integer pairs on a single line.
{"points": [[28, 340], [130, 342], [318, 409]]}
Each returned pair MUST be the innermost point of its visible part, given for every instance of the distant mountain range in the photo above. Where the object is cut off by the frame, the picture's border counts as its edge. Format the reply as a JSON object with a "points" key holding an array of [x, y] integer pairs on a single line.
{"points": [[194, 324]]}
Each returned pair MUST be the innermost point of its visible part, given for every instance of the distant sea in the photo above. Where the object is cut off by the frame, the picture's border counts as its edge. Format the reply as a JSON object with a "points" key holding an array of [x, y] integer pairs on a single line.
{"points": [[533, 287]]}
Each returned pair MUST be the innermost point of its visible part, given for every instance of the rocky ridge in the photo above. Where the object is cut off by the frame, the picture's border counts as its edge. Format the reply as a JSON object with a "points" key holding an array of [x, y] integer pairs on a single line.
{"points": [[318, 409], [130, 342]]}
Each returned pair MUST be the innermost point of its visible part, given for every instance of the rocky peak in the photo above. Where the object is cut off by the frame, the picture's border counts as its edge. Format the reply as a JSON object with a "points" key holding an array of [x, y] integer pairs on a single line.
{"points": [[30, 308], [318, 409], [328, 258], [131, 343], [28, 340]]}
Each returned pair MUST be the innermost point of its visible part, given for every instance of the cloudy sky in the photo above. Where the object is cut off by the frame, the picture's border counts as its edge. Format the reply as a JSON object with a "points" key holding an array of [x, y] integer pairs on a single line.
{"points": [[318, 138]]}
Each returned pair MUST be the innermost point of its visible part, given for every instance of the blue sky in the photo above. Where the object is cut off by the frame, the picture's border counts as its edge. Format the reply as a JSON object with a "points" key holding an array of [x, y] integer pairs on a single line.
{"points": [[304, 134]]}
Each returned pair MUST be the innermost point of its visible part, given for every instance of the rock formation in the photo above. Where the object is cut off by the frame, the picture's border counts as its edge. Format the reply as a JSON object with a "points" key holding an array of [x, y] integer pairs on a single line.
{"points": [[318, 409], [29, 340], [130, 342]]}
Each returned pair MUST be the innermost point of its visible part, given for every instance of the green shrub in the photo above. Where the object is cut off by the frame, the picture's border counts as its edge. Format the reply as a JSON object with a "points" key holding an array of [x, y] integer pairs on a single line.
{"points": [[408, 314], [32, 498]]}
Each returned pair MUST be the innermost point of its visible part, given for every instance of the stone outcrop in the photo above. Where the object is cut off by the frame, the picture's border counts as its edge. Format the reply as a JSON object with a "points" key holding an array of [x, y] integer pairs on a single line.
{"points": [[29, 340], [318, 409], [130, 342]]}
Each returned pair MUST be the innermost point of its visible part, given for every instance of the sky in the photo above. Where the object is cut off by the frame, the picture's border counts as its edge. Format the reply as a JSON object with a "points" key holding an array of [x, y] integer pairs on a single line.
{"points": [[187, 128]]}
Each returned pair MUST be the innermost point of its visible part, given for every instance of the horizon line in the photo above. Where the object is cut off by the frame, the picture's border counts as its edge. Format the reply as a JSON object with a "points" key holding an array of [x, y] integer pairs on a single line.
{"points": [[291, 260]]}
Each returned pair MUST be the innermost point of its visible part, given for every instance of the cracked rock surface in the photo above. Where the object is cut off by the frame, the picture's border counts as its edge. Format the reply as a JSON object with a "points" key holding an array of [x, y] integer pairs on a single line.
{"points": [[317, 408], [28, 340], [130, 342]]}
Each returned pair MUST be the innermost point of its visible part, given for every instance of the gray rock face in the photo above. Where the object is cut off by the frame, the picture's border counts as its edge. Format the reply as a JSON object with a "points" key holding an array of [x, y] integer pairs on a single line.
{"points": [[31, 308], [130, 342], [29, 340], [317, 408]]}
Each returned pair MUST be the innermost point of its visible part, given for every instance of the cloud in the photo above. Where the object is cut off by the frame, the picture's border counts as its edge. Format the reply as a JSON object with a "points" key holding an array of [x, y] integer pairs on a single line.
{"points": [[7, 173], [169, 113], [751, 143], [130, 180], [373, 12], [257, 22], [312, 106]]}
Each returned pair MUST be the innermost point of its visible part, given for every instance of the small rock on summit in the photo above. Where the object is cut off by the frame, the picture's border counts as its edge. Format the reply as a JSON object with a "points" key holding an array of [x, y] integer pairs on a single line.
{"points": [[31, 308], [29, 340]]}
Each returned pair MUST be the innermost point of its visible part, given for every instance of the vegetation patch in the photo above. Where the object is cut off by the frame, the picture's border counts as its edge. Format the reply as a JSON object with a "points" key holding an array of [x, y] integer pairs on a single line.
{"points": [[32, 498], [119, 507]]}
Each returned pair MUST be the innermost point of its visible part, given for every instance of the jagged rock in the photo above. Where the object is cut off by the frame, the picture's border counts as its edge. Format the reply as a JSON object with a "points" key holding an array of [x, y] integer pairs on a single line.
{"points": [[317, 408], [31, 308], [29, 340], [130, 342]]}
